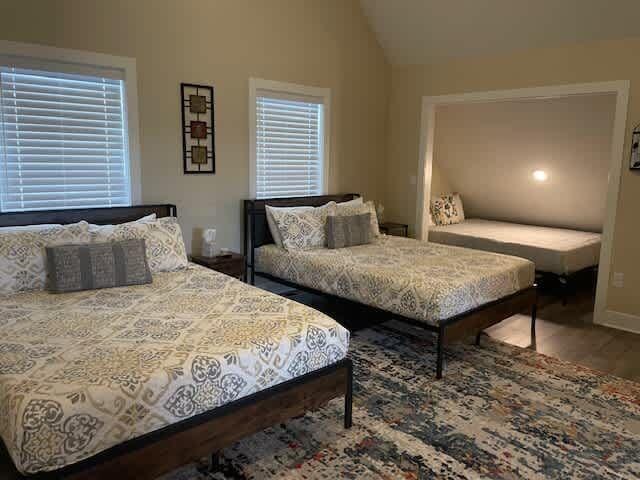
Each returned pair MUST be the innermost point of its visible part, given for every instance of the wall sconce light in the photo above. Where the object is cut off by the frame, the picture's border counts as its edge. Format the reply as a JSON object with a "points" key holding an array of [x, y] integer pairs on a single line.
{"points": [[540, 175]]}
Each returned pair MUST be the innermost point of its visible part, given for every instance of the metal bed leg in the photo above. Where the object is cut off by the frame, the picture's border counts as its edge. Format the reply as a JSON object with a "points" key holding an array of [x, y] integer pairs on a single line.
{"points": [[478, 338], [348, 398], [213, 463], [534, 314], [564, 281], [440, 354]]}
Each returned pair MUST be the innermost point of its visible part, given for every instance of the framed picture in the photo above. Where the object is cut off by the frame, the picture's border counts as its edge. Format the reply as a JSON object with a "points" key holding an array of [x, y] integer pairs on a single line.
{"points": [[634, 164], [198, 129]]}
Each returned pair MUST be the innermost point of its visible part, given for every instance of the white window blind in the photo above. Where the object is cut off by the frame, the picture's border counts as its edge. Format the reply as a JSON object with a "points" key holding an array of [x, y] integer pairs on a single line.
{"points": [[63, 141], [289, 146]]}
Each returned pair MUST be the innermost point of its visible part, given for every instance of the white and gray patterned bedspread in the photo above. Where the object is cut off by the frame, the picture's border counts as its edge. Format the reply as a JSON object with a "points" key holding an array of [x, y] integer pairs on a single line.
{"points": [[423, 281], [81, 372]]}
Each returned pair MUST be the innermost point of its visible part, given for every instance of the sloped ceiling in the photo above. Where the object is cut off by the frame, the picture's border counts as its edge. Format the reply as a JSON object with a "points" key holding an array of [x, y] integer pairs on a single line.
{"points": [[425, 31]]}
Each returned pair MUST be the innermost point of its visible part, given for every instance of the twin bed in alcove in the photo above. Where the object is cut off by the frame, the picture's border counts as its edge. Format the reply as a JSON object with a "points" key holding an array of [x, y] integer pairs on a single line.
{"points": [[558, 253], [553, 250]]}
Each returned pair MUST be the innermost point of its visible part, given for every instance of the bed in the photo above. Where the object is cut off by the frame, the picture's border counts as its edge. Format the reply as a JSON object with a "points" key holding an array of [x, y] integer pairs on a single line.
{"points": [[558, 252], [132, 382], [450, 290], [555, 250]]}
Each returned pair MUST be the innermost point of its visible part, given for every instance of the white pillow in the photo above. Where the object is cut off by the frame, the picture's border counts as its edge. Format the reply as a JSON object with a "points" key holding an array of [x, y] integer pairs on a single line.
{"points": [[273, 228], [163, 238], [303, 230], [23, 255], [355, 201], [343, 210], [29, 228], [147, 218]]}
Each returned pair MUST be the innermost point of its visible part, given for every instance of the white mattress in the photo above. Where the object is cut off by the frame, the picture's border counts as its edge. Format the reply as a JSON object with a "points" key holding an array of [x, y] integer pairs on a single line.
{"points": [[555, 250]]}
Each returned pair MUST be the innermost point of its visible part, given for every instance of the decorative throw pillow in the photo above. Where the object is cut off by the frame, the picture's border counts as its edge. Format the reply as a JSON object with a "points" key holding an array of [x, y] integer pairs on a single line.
{"points": [[447, 209], [165, 246], [303, 230], [273, 228], [348, 231], [97, 265], [23, 256], [368, 207]]}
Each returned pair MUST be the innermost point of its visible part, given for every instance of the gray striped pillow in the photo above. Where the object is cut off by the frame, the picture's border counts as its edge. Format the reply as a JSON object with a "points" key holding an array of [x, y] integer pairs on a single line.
{"points": [[348, 230], [97, 265]]}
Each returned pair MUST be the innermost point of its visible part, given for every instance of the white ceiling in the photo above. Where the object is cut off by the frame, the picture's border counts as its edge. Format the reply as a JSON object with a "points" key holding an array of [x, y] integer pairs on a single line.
{"points": [[423, 31]]}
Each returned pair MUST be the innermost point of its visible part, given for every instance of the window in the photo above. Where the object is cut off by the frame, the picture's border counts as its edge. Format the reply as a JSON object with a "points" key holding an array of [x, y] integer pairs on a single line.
{"points": [[289, 140], [64, 139]]}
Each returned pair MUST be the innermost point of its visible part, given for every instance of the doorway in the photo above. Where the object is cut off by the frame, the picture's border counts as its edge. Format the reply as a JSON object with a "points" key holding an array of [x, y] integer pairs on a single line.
{"points": [[618, 88]]}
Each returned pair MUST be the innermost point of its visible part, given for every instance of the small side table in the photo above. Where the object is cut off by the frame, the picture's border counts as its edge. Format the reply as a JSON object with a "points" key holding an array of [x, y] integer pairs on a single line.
{"points": [[232, 264], [391, 228]]}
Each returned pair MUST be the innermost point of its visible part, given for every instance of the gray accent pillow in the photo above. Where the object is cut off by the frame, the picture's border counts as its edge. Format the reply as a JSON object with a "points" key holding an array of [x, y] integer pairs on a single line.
{"points": [[97, 265], [348, 230]]}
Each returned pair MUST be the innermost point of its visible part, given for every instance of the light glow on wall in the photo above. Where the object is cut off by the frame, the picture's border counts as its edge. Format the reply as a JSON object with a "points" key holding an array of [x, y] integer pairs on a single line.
{"points": [[540, 175]]}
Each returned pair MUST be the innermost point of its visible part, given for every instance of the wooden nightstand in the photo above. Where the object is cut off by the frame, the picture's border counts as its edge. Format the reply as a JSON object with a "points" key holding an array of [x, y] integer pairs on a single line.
{"points": [[398, 229], [232, 264]]}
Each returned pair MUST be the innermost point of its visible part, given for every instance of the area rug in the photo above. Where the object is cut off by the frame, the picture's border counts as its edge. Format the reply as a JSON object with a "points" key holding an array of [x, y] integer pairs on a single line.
{"points": [[501, 412]]}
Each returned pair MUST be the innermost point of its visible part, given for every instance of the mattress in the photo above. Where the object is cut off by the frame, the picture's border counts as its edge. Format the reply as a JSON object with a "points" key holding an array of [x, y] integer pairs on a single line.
{"points": [[423, 281], [81, 372], [554, 250]]}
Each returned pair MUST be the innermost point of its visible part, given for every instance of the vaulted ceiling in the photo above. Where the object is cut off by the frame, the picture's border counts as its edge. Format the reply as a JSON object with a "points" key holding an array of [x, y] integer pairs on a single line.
{"points": [[424, 31]]}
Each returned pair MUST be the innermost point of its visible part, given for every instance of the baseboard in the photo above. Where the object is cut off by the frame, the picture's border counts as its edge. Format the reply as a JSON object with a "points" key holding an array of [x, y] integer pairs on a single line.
{"points": [[619, 320]]}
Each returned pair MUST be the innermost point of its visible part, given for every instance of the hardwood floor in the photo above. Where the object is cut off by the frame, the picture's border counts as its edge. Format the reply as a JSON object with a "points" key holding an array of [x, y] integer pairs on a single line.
{"points": [[564, 332]]}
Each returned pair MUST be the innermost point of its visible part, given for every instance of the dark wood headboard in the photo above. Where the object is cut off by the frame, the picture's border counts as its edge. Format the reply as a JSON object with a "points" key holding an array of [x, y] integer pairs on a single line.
{"points": [[100, 216], [256, 229]]}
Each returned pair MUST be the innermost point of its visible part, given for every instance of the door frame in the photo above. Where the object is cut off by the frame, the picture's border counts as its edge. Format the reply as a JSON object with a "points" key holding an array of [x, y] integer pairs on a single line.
{"points": [[620, 88]]}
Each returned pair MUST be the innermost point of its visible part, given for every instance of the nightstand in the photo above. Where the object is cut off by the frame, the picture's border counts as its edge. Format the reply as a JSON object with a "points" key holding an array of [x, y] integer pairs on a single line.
{"points": [[391, 228], [232, 264]]}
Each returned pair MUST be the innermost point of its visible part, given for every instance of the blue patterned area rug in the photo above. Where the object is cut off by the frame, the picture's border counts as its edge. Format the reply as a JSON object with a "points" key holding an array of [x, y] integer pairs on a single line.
{"points": [[501, 412]]}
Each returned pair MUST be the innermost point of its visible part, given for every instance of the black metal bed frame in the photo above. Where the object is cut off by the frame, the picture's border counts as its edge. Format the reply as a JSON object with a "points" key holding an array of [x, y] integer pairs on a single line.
{"points": [[568, 281], [123, 460], [100, 216], [257, 233]]}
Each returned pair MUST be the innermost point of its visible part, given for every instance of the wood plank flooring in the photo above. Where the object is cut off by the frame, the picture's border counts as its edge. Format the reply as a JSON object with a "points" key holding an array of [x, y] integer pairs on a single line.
{"points": [[563, 331]]}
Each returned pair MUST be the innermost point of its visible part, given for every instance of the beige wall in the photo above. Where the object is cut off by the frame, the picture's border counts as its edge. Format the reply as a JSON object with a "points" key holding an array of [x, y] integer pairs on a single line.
{"points": [[488, 152], [223, 43], [440, 183], [601, 61]]}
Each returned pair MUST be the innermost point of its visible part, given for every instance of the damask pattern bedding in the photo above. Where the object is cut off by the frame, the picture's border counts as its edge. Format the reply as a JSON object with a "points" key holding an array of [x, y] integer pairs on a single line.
{"points": [[81, 372], [423, 281]]}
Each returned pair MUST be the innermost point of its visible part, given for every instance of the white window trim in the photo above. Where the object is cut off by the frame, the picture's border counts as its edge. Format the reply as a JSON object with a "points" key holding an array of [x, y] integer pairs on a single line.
{"points": [[99, 60], [256, 84]]}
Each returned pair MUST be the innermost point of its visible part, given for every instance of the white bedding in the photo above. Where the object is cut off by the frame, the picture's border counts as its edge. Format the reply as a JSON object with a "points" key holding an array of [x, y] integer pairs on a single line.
{"points": [[81, 372], [556, 250]]}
